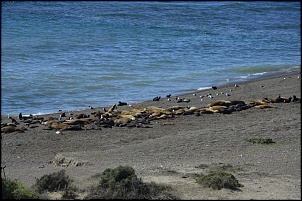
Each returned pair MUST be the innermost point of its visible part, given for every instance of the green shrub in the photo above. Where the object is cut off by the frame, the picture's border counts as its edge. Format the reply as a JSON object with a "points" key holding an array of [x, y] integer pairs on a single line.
{"points": [[122, 183], [112, 177], [70, 193], [260, 140], [53, 182], [15, 190], [219, 180]]}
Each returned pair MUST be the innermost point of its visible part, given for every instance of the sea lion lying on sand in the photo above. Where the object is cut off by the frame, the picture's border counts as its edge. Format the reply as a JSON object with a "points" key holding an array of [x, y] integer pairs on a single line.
{"points": [[10, 129], [220, 103]]}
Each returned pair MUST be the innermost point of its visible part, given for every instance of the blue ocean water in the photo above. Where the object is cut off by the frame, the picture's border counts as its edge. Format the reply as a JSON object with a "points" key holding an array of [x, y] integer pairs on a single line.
{"points": [[73, 54]]}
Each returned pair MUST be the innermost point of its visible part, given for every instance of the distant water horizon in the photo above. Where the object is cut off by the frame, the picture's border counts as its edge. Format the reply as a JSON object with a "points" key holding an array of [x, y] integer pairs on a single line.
{"points": [[64, 55]]}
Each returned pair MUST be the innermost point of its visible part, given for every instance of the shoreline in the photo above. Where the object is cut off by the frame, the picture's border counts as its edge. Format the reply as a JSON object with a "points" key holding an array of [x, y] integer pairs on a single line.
{"points": [[171, 150], [257, 78]]}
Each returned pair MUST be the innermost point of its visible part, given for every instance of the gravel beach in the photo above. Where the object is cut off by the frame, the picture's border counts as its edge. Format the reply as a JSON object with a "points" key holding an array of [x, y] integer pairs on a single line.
{"points": [[171, 150]]}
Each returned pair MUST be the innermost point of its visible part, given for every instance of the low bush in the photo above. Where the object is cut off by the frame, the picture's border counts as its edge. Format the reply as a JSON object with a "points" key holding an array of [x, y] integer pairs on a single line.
{"points": [[122, 183], [53, 182], [15, 190], [260, 140], [219, 180], [70, 193]]}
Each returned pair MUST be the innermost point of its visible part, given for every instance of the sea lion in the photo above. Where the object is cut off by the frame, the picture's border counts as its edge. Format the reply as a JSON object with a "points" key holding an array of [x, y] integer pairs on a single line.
{"points": [[189, 112], [122, 121], [58, 126], [78, 121], [287, 100], [110, 110], [10, 129], [276, 100], [129, 116], [11, 124], [162, 116], [258, 102], [206, 111], [51, 121], [171, 109], [13, 120], [264, 106], [155, 114], [220, 103], [157, 98], [217, 107], [179, 111], [121, 103], [295, 99]]}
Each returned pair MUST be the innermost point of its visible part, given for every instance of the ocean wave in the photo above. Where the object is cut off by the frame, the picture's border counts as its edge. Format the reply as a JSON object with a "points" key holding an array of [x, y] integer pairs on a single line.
{"points": [[265, 69], [203, 88]]}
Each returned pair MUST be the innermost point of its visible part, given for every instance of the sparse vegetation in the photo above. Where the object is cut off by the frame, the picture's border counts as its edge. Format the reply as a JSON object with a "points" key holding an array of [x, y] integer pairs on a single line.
{"points": [[219, 180], [122, 183], [221, 167], [118, 183], [70, 193], [15, 190], [260, 140]]}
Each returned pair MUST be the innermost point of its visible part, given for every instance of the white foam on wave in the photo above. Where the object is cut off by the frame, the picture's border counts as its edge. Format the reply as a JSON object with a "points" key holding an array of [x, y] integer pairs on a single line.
{"points": [[259, 73], [203, 88], [243, 76]]}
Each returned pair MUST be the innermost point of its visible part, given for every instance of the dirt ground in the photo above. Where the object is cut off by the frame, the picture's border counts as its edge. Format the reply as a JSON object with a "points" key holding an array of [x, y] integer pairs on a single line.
{"points": [[172, 151]]}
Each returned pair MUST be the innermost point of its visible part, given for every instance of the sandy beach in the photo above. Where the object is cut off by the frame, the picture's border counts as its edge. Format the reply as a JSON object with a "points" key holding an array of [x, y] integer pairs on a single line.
{"points": [[171, 150]]}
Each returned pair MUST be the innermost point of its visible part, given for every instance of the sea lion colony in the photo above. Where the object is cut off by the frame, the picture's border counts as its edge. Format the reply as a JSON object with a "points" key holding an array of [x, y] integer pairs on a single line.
{"points": [[136, 117]]}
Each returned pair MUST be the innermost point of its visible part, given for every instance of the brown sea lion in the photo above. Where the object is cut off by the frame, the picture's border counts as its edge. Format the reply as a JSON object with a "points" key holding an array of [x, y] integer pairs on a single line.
{"points": [[10, 129], [258, 102], [110, 110], [179, 111], [220, 103], [11, 124], [217, 107], [128, 116], [78, 121], [264, 106], [173, 108], [58, 126], [51, 121], [280, 99], [162, 116], [155, 114], [206, 111], [123, 120], [276, 100]]}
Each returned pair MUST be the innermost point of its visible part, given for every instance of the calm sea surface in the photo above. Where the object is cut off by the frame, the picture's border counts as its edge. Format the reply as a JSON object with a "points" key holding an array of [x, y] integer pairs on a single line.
{"points": [[71, 55]]}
